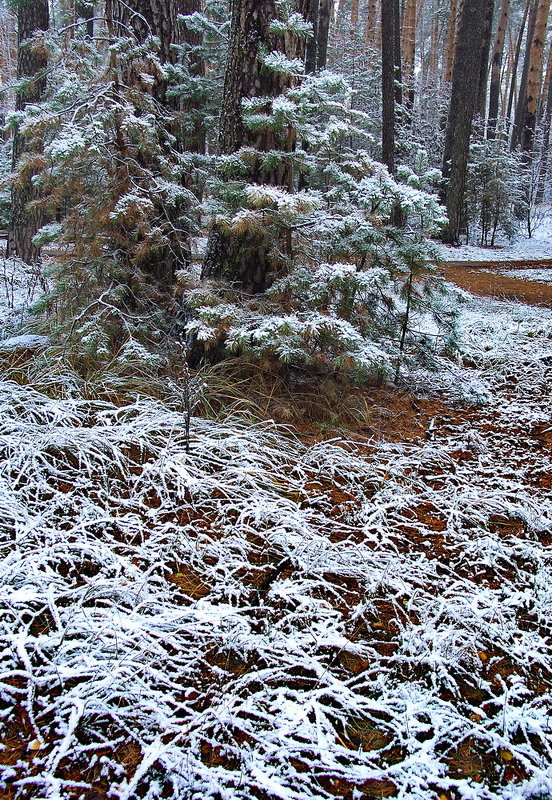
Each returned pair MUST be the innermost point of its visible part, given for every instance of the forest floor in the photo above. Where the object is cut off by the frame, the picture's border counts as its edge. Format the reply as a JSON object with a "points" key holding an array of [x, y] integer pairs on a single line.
{"points": [[289, 613]]}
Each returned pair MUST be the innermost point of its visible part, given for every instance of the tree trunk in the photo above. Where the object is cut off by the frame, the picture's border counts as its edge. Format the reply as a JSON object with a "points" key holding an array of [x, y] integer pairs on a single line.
{"points": [[545, 150], [371, 26], [408, 47], [32, 15], [354, 12], [515, 64], [546, 84], [465, 86], [519, 121], [317, 45], [8, 63], [324, 18], [312, 44], [486, 50], [496, 68], [534, 80], [388, 54], [450, 40], [242, 258]]}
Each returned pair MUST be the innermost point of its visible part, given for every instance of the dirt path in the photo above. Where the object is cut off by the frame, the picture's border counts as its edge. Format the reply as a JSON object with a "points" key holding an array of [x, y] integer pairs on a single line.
{"points": [[475, 278]]}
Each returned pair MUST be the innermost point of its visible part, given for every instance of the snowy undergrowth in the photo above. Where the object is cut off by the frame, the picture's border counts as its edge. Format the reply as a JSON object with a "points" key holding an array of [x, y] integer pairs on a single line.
{"points": [[257, 618], [20, 285]]}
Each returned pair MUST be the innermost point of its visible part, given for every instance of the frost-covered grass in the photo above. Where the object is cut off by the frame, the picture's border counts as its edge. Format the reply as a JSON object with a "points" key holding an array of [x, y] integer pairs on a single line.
{"points": [[538, 247], [20, 285], [541, 275], [256, 618]]}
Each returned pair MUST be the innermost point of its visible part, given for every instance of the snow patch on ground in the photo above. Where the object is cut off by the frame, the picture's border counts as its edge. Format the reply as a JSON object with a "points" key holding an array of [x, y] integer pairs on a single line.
{"points": [[538, 247], [540, 275], [20, 286]]}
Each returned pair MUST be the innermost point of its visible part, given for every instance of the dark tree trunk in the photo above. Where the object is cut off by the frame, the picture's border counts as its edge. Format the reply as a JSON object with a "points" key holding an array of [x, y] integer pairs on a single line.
{"points": [[317, 46], [85, 11], [388, 65], [496, 69], [247, 258], [324, 19], [464, 93], [312, 44], [486, 51], [32, 15]]}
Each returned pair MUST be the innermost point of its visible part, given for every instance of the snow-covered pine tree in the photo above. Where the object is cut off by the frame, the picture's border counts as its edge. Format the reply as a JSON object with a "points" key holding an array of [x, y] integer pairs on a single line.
{"points": [[112, 182], [348, 291]]}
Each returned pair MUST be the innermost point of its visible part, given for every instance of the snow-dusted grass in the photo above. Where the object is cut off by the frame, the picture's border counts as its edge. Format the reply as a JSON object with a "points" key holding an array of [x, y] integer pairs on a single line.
{"points": [[538, 247], [541, 275], [20, 285], [257, 618]]}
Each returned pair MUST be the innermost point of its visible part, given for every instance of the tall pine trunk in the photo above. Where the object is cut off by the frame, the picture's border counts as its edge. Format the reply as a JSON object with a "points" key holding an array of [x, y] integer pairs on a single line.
{"points": [[388, 57], [534, 79], [519, 119], [546, 124], [32, 15], [408, 47], [450, 40], [486, 51], [371, 25], [515, 66], [464, 94], [496, 68], [317, 46]]}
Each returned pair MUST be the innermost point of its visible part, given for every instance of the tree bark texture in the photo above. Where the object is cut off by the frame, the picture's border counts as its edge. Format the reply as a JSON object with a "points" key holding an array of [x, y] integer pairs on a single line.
{"points": [[534, 78], [464, 92], [515, 65], [408, 45], [317, 46], [485, 53], [245, 74], [450, 40], [388, 54], [496, 68], [246, 258], [32, 16], [519, 120], [545, 149], [312, 43], [546, 83], [397, 55], [324, 19], [142, 19], [371, 25]]}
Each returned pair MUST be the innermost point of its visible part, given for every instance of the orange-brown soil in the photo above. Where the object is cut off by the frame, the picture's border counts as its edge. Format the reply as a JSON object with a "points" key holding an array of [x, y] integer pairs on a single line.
{"points": [[470, 276]]}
